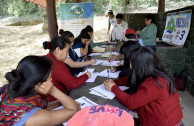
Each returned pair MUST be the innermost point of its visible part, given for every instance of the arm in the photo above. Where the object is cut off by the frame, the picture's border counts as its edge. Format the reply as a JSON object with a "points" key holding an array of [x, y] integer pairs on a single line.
{"points": [[62, 74], [74, 64], [151, 30], [45, 117], [53, 105], [84, 51], [146, 93]]}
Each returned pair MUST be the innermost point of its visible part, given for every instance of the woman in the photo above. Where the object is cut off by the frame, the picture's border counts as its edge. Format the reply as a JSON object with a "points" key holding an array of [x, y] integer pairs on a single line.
{"points": [[126, 51], [61, 76], [23, 101], [111, 21], [148, 34], [151, 91], [72, 64], [79, 51]]}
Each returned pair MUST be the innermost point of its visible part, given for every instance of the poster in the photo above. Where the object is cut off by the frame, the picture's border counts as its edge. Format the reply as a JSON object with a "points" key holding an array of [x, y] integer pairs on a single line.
{"points": [[76, 16], [177, 27]]}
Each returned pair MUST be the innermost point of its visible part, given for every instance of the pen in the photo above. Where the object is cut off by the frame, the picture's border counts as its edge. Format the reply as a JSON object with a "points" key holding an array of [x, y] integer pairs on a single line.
{"points": [[82, 104], [108, 73], [87, 68]]}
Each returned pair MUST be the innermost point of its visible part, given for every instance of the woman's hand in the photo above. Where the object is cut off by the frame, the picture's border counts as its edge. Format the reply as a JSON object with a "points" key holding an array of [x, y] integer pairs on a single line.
{"points": [[88, 73], [105, 43], [45, 88], [108, 84], [92, 61], [138, 31], [110, 59], [113, 69], [114, 50]]}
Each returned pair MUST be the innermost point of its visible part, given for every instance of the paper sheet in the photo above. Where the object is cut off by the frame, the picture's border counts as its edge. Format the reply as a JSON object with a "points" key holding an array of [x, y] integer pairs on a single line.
{"points": [[93, 75], [105, 73], [98, 49], [95, 54], [84, 101], [102, 92], [107, 63], [98, 62], [107, 54]]}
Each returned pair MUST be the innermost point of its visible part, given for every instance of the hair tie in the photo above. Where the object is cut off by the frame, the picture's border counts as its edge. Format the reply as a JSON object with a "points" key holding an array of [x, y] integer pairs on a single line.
{"points": [[48, 45]]}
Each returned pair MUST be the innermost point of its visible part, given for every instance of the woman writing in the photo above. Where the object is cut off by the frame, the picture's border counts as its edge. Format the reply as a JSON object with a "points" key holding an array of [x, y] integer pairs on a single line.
{"points": [[61, 76], [151, 91]]}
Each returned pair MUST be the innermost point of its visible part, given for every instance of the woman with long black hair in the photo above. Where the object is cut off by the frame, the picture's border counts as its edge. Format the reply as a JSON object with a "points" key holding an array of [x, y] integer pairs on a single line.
{"points": [[151, 90]]}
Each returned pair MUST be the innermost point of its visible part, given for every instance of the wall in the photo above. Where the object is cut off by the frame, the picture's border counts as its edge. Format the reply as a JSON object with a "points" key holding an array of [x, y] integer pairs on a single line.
{"points": [[174, 59]]}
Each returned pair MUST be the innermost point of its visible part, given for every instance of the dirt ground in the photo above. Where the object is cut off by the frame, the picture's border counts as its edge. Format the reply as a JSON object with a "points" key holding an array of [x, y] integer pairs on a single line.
{"points": [[17, 42]]}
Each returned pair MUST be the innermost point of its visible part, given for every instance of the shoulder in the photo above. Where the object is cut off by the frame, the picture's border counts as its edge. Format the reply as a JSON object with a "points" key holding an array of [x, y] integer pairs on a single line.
{"points": [[153, 25], [152, 82], [78, 45]]}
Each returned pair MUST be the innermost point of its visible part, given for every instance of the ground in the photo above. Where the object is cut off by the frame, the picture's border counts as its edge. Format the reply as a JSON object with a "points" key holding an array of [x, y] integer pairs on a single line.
{"points": [[19, 41]]}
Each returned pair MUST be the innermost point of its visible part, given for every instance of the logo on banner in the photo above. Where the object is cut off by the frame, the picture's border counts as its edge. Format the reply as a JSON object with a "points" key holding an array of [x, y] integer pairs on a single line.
{"points": [[76, 9], [170, 26]]}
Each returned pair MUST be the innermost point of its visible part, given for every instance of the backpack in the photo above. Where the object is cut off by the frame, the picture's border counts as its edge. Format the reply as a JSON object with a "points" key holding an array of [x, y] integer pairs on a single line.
{"points": [[180, 81]]}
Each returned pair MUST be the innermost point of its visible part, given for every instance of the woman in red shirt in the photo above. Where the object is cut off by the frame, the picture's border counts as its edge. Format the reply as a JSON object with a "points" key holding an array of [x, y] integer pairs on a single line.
{"points": [[61, 76], [152, 93]]}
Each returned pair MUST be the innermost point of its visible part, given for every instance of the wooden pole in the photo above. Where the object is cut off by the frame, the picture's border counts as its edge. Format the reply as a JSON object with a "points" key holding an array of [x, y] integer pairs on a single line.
{"points": [[161, 5], [52, 19], [78, 1]]}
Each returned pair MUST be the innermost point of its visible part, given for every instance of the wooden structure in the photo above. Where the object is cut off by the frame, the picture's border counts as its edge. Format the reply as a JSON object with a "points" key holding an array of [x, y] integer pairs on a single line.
{"points": [[161, 5]]}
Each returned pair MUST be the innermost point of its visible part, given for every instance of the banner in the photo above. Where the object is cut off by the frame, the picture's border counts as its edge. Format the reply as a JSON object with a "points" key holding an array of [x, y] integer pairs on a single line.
{"points": [[76, 16], [177, 27]]}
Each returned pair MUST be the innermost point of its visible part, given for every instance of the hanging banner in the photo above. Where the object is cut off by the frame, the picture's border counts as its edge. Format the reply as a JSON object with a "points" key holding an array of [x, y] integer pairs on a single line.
{"points": [[76, 16], [177, 27]]}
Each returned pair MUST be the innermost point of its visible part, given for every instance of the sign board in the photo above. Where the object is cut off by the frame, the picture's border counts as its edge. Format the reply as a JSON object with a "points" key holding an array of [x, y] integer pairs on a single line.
{"points": [[76, 16], [177, 27]]}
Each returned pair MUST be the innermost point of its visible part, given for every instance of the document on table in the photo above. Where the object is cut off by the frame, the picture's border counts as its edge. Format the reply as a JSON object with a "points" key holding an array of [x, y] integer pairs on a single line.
{"points": [[107, 54], [84, 101], [107, 63], [102, 92], [98, 62], [98, 49], [95, 54], [93, 75], [105, 73]]}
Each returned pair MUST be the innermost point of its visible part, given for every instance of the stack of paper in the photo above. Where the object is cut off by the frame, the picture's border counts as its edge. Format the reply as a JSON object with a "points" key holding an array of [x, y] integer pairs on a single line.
{"points": [[112, 43], [113, 63], [93, 75], [85, 102], [108, 54], [102, 92], [106, 73], [98, 62], [98, 49]]}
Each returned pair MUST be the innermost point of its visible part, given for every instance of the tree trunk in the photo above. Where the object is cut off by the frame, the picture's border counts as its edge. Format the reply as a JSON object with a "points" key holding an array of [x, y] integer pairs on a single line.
{"points": [[161, 5], [78, 1], [52, 19]]}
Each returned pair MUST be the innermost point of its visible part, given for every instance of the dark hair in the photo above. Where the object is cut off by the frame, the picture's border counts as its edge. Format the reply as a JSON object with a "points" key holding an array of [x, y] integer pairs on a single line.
{"points": [[130, 36], [146, 64], [57, 41], [126, 49], [119, 16], [30, 71], [89, 28], [150, 16], [110, 12], [83, 35], [65, 34]]}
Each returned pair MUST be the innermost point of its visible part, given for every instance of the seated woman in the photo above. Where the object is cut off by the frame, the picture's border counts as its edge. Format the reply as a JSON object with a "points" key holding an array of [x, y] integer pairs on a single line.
{"points": [[152, 93], [23, 101], [61, 76], [72, 64], [88, 29], [126, 51], [79, 51], [148, 34]]}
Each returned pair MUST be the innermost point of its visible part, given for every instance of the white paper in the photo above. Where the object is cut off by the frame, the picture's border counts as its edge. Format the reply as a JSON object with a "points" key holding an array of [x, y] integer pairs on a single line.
{"points": [[103, 46], [95, 54], [107, 54], [113, 43], [84, 101], [98, 49], [98, 62], [93, 75], [107, 63], [102, 92], [105, 73]]}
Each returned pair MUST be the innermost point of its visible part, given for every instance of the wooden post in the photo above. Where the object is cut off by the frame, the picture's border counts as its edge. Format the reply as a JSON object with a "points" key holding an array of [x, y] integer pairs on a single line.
{"points": [[78, 1], [161, 5], [52, 19]]}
